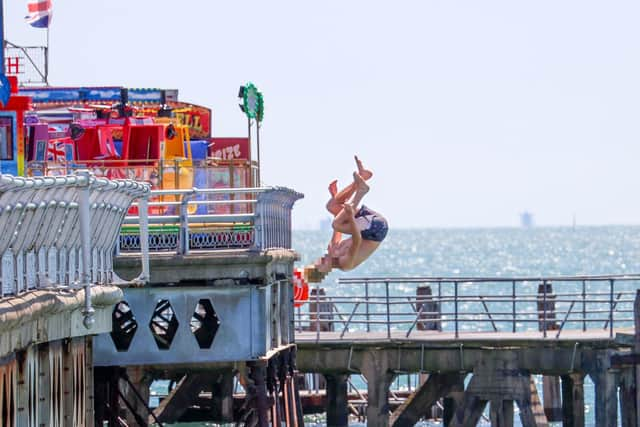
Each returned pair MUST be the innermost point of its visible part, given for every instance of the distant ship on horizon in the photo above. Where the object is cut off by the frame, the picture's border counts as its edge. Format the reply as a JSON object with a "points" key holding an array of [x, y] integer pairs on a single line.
{"points": [[526, 219]]}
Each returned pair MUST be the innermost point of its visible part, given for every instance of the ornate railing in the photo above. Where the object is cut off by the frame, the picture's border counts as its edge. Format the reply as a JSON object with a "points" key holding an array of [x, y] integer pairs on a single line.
{"points": [[210, 219], [60, 231], [400, 307]]}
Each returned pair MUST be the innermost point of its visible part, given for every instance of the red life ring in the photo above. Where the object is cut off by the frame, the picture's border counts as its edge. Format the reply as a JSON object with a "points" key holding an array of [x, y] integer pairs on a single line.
{"points": [[300, 288]]}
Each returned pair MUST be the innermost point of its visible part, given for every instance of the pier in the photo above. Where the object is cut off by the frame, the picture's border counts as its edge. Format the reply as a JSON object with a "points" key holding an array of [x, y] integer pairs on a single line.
{"points": [[178, 290], [476, 347], [217, 304]]}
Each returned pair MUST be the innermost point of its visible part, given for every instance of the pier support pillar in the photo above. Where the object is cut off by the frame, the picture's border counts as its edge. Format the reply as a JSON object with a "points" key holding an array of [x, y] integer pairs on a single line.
{"points": [[573, 400], [453, 400], [636, 319], [138, 398], [222, 396], [628, 391], [501, 384], [257, 400], [606, 398], [416, 405], [337, 400], [501, 413], [376, 369]]}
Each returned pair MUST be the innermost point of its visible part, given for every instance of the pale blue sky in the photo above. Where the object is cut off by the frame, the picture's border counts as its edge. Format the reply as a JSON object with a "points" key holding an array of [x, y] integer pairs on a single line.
{"points": [[469, 112]]}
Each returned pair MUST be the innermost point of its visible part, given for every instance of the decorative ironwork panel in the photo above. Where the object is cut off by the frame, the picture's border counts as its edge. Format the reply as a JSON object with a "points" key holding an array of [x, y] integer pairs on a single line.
{"points": [[203, 324]]}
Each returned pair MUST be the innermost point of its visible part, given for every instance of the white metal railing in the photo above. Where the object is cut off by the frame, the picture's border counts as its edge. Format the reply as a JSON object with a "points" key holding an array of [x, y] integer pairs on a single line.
{"points": [[210, 219], [60, 231]]}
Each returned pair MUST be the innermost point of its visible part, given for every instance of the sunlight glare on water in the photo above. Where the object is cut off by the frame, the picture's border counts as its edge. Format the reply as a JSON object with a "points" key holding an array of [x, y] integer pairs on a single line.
{"points": [[497, 252]]}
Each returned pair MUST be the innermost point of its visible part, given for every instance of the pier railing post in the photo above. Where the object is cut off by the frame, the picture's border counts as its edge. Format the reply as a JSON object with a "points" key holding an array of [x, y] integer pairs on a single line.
{"points": [[183, 244], [455, 309], [366, 298], [386, 290], [636, 318], [84, 207], [611, 306], [143, 212]]}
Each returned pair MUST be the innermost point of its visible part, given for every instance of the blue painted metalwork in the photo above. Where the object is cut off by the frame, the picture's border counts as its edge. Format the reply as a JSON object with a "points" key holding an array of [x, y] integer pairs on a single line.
{"points": [[243, 333], [108, 94]]}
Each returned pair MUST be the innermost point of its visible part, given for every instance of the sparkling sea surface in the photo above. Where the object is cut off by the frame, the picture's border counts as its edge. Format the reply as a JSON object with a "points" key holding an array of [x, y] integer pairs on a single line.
{"points": [[488, 252]]}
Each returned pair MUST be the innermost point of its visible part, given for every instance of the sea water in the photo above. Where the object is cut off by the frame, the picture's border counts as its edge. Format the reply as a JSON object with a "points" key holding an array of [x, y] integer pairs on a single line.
{"points": [[489, 252]]}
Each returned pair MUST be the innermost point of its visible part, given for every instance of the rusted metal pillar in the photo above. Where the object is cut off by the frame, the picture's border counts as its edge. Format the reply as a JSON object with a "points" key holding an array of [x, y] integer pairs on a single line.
{"points": [[337, 400], [258, 392], [273, 388], [573, 400], [295, 395], [90, 405]]}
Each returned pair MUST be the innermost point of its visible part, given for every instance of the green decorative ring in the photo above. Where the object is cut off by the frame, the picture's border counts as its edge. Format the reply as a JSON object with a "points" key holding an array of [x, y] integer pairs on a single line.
{"points": [[250, 100]]}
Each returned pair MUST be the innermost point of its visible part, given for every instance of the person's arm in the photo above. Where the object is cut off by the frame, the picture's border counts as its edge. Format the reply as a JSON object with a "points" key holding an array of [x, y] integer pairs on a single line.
{"points": [[347, 262]]}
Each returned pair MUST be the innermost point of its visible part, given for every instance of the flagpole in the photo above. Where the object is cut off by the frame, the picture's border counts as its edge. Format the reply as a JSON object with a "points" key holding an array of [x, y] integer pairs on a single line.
{"points": [[2, 35], [46, 58]]}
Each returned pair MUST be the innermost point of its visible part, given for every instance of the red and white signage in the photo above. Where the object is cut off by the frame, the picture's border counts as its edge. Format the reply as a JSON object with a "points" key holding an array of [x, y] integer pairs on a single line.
{"points": [[230, 148]]}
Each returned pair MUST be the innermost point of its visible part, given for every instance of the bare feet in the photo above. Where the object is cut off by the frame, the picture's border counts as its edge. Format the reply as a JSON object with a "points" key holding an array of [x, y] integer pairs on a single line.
{"points": [[364, 173], [333, 188], [361, 187]]}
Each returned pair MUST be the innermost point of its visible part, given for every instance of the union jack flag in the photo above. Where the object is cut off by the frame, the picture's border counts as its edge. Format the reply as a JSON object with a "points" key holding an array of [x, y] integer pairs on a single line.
{"points": [[55, 151], [39, 13]]}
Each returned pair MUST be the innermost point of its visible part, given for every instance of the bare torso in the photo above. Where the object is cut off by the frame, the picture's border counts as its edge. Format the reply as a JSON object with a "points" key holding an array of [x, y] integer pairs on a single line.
{"points": [[341, 253]]}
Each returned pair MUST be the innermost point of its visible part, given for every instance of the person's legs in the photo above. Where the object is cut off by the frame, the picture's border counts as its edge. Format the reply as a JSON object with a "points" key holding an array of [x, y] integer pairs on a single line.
{"points": [[334, 205], [361, 189]]}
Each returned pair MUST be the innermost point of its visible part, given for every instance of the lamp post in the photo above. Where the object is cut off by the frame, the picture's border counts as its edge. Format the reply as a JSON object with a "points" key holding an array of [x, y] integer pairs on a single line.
{"points": [[253, 106]]}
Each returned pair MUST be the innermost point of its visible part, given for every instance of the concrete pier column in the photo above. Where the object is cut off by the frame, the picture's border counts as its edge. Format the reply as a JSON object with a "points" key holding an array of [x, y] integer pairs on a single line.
{"points": [[628, 391], [606, 398], [376, 369], [337, 400], [573, 400], [501, 413]]}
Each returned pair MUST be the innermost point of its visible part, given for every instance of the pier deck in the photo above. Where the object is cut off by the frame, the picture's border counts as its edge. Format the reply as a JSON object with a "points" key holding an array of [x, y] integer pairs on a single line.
{"points": [[593, 337]]}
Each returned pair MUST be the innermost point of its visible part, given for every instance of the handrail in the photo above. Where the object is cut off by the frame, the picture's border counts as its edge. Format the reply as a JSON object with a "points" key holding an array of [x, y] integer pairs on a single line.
{"points": [[61, 231], [182, 220], [390, 305]]}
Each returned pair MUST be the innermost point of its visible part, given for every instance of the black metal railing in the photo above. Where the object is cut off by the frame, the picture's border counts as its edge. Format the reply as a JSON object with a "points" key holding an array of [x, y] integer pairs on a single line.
{"points": [[549, 305]]}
